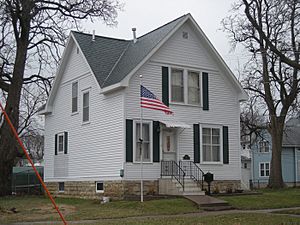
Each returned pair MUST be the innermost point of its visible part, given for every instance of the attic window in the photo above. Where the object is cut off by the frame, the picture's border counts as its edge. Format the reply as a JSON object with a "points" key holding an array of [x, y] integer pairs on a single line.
{"points": [[185, 35], [77, 50]]}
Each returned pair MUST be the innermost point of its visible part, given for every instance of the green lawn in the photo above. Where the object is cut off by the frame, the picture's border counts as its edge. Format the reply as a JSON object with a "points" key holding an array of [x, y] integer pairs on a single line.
{"points": [[283, 198], [164, 211], [230, 219], [40, 208]]}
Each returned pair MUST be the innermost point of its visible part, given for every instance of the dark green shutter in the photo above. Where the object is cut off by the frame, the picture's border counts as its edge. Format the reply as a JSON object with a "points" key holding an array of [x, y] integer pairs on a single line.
{"points": [[129, 141], [66, 143], [205, 91], [55, 147], [196, 143], [165, 85], [225, 145], [156, 141]]}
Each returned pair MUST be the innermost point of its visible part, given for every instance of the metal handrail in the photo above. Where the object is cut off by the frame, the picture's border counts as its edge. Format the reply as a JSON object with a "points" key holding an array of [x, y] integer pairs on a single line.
{"points": [[171, 168], [192, 170]]}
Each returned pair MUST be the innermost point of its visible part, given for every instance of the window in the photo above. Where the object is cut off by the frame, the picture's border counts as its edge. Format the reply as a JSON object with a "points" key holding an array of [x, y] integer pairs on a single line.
{"points": [[264, 169], [146, 143], [61, 186], [211, 144], [185, 87], [85, 107], [264, 146], [99, 187], [60, 146], [193, 88], [74, 97], [245, 165], [177, 89]]}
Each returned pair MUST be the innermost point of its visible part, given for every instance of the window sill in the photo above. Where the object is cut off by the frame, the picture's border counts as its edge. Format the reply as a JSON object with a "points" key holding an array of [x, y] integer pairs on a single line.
{"points": [[143, 162], [184, 104], [102, 191], [212, 163], [85, 123], [74, 113]]}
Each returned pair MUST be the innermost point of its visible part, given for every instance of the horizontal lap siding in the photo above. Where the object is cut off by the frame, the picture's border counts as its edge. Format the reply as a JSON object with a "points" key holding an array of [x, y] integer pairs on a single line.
{"points": [[95, 149], [223, 106]]}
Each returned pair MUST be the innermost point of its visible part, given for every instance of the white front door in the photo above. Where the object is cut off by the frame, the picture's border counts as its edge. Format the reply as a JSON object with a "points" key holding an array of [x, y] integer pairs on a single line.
{"points": [[169, 145]]}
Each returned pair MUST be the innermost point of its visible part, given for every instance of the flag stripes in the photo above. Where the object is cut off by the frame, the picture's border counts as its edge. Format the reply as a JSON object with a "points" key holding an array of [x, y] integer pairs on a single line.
{"points": [[150, 101]]}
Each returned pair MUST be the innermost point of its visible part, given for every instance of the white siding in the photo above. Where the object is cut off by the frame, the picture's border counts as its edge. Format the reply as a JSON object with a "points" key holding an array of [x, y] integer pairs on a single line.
{"points": [[95, 150], [223, 103]]}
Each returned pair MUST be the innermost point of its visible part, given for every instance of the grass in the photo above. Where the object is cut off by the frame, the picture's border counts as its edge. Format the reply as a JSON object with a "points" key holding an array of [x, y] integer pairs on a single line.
{"points": [[229, 219], [269, 199], [40, 208], [164, 211]]}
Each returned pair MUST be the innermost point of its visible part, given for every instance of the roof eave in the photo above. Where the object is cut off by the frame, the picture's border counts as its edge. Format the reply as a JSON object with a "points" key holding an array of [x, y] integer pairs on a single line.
{"points": [[112, 88]]}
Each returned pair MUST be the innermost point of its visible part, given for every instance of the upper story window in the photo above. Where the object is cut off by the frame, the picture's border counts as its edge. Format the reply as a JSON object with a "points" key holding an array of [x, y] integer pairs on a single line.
{"points": [[74, 97], [86, 107], [264, 146], [146, 143], [185, 86], [211, 144], [193, 88], [177, 89]]}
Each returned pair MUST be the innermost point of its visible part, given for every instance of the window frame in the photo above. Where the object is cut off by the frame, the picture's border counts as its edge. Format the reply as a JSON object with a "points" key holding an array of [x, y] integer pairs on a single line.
{"points": [[264, 169], [96, 186], [186, 71], [77, 98], [135, 122], [59, 187], [83, 107], [62, 134], [267, 145], [211, 126]]}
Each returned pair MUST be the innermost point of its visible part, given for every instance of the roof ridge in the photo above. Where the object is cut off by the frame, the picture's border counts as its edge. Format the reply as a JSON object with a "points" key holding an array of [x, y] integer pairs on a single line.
{"points": [[99, 36], [164, 25], [116, 63]]}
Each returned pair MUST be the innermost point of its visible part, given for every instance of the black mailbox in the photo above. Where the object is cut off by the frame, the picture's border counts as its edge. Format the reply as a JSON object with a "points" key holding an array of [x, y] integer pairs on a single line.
{"points": [[208, 177]]}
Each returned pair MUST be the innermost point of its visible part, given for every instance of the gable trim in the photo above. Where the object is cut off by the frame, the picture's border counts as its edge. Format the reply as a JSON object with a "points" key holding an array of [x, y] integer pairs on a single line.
{"points": [[59, 73], [242, 95]]}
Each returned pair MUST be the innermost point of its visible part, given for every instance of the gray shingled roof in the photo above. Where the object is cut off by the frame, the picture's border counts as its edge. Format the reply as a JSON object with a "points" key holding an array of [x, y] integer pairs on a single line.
{"points": [[291, 134], [111, 60]]}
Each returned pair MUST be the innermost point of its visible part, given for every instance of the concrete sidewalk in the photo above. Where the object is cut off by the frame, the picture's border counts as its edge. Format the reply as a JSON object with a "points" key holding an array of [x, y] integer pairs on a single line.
{"points": [[197, 214]]}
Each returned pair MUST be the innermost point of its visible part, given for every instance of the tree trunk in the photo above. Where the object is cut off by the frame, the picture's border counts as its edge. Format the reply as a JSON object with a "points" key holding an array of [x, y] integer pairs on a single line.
{"points": [[275, 179], [8, 144]]}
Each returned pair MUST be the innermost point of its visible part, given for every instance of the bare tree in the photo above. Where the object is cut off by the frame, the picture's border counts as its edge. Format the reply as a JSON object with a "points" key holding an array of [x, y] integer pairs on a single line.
{"points": [[31, 34], [270, 30]]}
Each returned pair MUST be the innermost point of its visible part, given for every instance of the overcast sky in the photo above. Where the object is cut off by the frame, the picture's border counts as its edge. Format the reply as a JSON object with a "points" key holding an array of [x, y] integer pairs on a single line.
{"points": [[147, 15]]}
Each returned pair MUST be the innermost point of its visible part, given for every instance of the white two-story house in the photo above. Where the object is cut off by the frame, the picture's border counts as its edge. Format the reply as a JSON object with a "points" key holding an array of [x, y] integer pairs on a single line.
{"points": [[92, 116]]}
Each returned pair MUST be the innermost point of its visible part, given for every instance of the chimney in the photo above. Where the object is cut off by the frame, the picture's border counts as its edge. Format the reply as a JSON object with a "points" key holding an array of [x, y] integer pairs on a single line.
{"points": [[134, 35], [93, 36]]}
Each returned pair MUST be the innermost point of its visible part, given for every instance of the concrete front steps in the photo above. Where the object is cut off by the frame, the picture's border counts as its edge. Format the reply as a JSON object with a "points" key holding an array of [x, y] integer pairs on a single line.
{"points": [[209, 203], [169, 186]]}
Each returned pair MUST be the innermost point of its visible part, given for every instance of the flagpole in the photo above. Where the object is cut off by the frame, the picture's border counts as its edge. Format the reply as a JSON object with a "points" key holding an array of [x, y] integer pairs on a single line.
{"points": [[141, 141]]}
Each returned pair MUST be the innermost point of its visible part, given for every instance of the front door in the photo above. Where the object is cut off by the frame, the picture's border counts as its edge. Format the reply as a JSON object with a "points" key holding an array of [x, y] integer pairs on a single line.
{"points": [[169, 145]]}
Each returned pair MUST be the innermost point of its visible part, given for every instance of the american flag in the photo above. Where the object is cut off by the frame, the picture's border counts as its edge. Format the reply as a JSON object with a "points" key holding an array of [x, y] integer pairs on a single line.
{"points": [[150, 101]]}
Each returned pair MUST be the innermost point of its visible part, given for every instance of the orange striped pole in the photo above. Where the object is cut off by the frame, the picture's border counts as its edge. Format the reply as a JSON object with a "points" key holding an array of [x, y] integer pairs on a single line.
{"points": [[28, 157]]}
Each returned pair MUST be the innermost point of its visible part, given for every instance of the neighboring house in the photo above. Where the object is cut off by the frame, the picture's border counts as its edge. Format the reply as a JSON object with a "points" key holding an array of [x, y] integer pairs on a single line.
{"points": [[290, 156], [92, 116], [246, 164]]}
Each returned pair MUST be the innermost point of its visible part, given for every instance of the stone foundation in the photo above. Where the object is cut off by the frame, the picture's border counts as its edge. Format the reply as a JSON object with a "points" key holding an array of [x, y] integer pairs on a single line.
{"points": [[123, 189], [221, 186], [113, 189]]}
